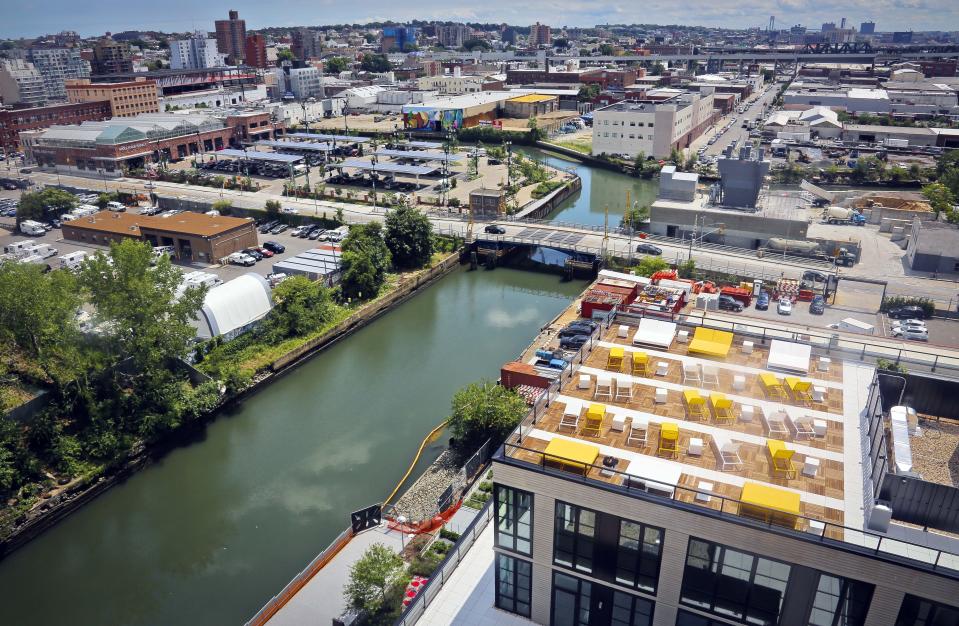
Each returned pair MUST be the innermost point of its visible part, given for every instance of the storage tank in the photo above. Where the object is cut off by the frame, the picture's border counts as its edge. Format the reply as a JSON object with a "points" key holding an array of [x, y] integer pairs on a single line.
{"points": [[793, 245]]}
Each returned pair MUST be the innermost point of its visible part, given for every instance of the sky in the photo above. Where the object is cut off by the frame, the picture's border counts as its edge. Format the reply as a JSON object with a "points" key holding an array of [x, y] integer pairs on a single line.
{"points": [[27, 18]]}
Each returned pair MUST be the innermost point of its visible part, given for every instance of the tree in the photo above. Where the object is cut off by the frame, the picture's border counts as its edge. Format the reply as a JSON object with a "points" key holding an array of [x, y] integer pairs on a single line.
{"points": [[376, 63], [561, 43], [106, 198], [409, 237], [676, 157], [588, 92], [634, 216], [138, 306], [223, 206], [939, 196], [605, 50], [301, 306], [473, 44], [484, 410], [39, 317], [649, 265], [335, 65], [371, 576], [535, 134], [365, 261], [272, 207], [35, 205], [686, 268], [284, 55]]}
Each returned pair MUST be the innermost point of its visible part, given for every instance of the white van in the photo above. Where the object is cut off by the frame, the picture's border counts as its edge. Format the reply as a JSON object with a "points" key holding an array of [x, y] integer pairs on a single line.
{"points": [[42, 250], [72, 260], [17, 248], [29, 227], [196, 279], [116, 207]]}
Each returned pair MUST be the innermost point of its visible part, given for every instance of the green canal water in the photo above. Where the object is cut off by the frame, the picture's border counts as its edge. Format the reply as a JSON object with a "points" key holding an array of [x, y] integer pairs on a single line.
{"points": [[601, 188], [212, 531]]}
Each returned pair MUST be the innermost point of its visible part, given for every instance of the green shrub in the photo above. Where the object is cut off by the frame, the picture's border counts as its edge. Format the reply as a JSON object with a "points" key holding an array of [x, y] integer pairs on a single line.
{"points": [[890, 366], [928, 306], [425, 564], [486, 486], [449, 535]]}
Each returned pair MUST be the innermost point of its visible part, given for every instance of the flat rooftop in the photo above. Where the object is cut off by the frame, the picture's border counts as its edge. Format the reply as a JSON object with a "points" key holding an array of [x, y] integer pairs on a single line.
{"points": [[783, 205], [188, 222], [823, 426]]}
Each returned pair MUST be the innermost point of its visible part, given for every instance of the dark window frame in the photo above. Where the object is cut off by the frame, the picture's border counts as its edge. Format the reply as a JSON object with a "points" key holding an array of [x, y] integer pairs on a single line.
{"points": [[509, 540], [857, 616], [922, 612], [747, 603], [633, 601], [641, 560], [513, 603], [578, 606], [561, 535]]}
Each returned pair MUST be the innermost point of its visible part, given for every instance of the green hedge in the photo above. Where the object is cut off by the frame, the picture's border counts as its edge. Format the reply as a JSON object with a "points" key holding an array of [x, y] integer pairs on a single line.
{"points": [[928, 306]]}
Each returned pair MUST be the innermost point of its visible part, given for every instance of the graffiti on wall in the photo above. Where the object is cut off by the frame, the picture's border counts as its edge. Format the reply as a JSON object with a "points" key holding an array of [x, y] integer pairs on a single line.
{"points": [[451, 119]]}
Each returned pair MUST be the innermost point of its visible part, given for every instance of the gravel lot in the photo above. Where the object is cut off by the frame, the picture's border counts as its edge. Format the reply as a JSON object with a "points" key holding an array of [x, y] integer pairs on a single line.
{"points": [[934, 453]]}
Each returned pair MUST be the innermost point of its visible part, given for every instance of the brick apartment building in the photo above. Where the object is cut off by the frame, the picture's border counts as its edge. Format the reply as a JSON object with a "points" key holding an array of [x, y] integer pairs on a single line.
{"points": [[127, 99], [612, 79], [15, 121], [255, 51]]}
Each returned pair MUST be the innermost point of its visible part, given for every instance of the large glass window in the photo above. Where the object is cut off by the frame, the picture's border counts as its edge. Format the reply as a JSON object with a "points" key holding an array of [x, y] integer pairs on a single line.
{"points": [[638, 555], [514, 519], [571, 601], [840, 602], [513, 584], [916, 611], [685, 618], [574, 537], [734, 584], [630, 610]]}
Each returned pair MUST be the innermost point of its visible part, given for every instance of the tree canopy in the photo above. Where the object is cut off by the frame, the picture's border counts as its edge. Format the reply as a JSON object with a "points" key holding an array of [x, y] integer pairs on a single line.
{"points": [[371, 576], [409, 237], [484, 410], [365, 261], [335, 65], [35, 205], [376, 63], [301, 306]]}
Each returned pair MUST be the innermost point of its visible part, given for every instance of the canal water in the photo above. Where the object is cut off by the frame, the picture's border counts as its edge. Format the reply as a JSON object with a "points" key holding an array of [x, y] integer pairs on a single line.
{"points": [[212, 531], [601, 188]]}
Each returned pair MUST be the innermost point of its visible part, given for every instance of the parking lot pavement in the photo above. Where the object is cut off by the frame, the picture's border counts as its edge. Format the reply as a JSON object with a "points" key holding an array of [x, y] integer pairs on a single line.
{"points": [[293, 245], [802, 317]]}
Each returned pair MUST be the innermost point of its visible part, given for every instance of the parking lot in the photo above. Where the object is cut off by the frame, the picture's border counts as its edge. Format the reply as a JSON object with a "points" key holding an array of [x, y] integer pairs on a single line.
{"points": [[293, 245]]}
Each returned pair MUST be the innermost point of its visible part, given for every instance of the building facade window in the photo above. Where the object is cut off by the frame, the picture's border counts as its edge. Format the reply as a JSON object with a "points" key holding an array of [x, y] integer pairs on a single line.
{"points": [[638, 555], [571, 601], [734, 584], [840, 602], [629, 610], [574, 535], [514, 519], [513, 584], [685, 618], [916, 611]]}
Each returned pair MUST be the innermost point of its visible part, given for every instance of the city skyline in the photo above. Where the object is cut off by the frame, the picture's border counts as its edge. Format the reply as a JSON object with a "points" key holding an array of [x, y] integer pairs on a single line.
{"points": [[32, 19]]}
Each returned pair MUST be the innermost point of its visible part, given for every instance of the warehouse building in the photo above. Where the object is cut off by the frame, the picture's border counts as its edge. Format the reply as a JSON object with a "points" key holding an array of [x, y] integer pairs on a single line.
{"points": [[321, 263], [195, 237], [933, 247], [653, 127], [531, 105]]}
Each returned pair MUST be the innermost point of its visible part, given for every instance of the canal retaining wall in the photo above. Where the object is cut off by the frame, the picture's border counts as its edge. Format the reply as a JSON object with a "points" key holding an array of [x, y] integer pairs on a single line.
{"points": [[539, 209]]}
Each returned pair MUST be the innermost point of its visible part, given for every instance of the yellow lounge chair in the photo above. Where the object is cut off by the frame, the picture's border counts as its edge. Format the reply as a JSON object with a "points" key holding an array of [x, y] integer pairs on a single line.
{"points": [[640, 364], [781, 458], [669, 438], [722, 408], [800, 389], [695, 405], [615, 360], [772, 386], [594, 419]]}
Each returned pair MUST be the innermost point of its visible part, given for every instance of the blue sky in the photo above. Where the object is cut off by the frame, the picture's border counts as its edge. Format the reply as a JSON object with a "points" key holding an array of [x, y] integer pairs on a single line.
{"points": [[34, 17]]}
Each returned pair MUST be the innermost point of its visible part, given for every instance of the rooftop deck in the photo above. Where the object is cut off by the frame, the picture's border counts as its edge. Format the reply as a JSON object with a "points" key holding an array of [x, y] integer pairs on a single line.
{"points": [[637, 403]]}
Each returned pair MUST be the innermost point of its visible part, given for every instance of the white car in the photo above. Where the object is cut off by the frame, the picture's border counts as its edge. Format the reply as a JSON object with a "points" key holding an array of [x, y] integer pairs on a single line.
{"points": [[785, 307], [238, 258], [289, 210], [915, 334]]}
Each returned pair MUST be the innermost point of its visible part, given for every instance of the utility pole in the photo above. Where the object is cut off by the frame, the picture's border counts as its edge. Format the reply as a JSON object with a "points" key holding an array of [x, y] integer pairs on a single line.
{"points": [[605, 247]]}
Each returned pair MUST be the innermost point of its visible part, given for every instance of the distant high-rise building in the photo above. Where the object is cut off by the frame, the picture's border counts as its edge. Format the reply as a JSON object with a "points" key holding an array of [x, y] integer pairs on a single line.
{"points": [[398, 37], [254, 51], [57, 65], [540, 35], [111, 57], [828, 26], [197, 52], [902, 37], [843, 23], [231, 38], [127, 98], [305, 44], [867, 28], [21, 83], [509, 35], [452, 35]]}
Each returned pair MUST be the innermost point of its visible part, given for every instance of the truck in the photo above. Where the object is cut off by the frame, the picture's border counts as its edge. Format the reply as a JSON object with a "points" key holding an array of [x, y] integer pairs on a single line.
{"points": [[897, 143], [17, 248], [842, 215], [29, 227], [42, 250], [794, 247], [72, 260]]}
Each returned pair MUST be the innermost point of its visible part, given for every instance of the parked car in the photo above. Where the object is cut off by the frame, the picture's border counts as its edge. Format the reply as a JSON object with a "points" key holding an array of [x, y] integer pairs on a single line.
{"points": [[238, 258], [728, 303], [279, 228], [315, 233], [265, 227], [906, 312], [785, 307], [265, 252], [493, 229], [274, 247], [253, 252], [648, 248], [818, 305], [762, 302], [300, 231], [915, 334]]}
